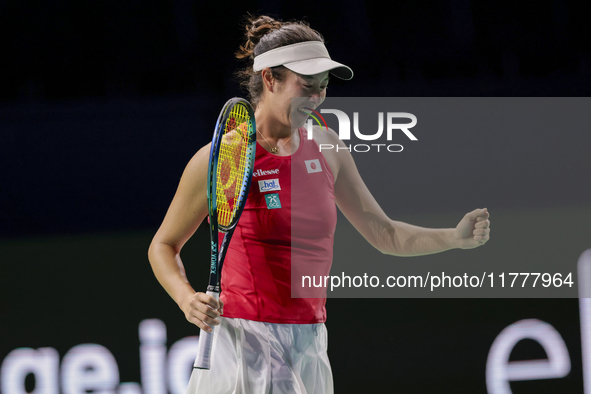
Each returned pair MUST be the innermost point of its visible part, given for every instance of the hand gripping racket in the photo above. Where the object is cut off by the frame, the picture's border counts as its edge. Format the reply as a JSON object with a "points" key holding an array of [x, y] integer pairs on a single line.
{"points": [[231, 161]]}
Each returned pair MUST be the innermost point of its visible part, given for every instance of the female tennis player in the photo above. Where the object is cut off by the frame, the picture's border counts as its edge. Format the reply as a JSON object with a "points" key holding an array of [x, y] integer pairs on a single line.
{"points": [[265, 340]]}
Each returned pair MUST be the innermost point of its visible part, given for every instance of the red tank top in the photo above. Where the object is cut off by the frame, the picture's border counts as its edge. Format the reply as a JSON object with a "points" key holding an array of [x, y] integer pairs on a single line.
{"points": [[287, 227]]}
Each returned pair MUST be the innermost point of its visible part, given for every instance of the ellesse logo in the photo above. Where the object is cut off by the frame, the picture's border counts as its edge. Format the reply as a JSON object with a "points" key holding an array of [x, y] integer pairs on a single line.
{"points": [[260, 172]]}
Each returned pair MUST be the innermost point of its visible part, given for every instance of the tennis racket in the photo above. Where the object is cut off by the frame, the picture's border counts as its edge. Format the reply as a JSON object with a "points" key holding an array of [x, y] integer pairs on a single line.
{"points": [[231, 161]]}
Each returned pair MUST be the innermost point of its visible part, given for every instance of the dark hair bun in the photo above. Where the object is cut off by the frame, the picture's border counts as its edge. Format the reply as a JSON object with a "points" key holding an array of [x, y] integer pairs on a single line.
{"points": [[256, 28]]}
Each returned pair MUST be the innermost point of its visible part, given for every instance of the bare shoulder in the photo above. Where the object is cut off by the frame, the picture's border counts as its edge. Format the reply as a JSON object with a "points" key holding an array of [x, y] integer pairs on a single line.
{"points": [[193, 183], [322, 135], [197, 166], [332, 148]]}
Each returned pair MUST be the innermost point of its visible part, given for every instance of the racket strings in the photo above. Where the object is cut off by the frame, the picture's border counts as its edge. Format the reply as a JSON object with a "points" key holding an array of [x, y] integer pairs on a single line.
{"points": [[232, 164]]}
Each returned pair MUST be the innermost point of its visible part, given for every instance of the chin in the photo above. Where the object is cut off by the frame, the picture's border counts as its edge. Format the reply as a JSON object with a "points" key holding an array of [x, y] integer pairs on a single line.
{"points": [[299, 118], [298, 121]]}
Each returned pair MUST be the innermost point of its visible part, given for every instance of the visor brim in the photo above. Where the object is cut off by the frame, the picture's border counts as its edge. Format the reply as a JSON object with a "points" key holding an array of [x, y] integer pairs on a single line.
{"points": [[319, 65]]}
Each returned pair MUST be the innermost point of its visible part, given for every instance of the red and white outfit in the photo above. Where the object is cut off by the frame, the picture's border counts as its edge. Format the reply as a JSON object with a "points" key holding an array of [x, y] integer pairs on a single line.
{"points": [[268, 341]]}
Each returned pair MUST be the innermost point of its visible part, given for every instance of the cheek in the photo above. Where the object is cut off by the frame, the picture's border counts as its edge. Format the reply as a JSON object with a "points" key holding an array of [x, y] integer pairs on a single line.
{"points": [[298, 92], [295, 93]]}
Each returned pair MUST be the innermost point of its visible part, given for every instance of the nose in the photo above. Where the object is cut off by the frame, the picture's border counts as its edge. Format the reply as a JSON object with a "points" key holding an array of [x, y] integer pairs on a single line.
{"points": [[316, 99]]}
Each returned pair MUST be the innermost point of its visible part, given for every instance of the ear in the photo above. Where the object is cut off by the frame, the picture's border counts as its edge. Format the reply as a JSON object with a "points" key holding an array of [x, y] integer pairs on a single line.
{"points": [[268, 79]]}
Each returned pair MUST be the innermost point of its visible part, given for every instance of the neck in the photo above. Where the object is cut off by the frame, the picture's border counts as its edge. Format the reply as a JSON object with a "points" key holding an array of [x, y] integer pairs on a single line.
{"points": [[274, 137], [269, 125]]}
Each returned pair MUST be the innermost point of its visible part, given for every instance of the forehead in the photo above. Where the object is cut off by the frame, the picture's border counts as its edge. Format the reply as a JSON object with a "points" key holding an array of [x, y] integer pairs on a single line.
{"points": [[324, 76]]}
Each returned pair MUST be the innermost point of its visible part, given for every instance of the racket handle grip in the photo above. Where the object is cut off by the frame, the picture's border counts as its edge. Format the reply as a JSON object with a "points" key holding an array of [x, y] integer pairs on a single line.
{"points": [[203, 360]]}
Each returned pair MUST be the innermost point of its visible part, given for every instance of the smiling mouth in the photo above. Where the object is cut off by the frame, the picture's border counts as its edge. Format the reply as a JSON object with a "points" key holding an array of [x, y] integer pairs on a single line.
{"points": [[305, 110]]}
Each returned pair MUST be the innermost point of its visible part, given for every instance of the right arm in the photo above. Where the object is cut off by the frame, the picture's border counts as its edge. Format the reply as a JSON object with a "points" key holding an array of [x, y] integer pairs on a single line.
{"points": [[188, 209]]}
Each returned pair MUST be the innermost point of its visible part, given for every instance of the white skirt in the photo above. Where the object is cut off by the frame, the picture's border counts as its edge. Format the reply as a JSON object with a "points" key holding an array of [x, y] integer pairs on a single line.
{"points": [[250, 357]]}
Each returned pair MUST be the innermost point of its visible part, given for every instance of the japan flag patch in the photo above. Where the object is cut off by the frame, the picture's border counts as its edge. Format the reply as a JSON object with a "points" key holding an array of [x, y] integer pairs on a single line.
{"points": [[313, 166]]}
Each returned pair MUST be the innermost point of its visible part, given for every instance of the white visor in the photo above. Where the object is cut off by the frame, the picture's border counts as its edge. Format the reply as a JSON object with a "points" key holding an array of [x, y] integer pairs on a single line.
{"points": [[306, 58]]}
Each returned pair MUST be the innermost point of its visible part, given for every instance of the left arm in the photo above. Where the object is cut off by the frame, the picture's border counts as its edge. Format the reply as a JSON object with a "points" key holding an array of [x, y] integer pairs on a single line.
{"points": [[394, 237]]}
